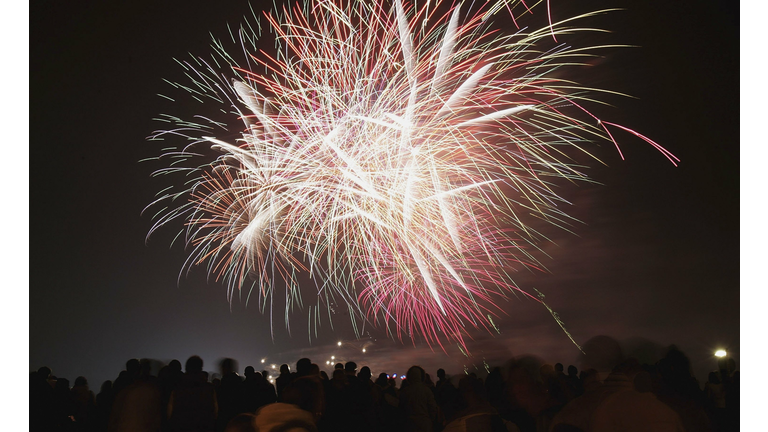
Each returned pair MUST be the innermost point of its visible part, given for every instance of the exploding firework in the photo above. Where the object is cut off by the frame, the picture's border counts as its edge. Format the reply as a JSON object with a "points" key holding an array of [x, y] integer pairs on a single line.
{"points": [[388, 158]]}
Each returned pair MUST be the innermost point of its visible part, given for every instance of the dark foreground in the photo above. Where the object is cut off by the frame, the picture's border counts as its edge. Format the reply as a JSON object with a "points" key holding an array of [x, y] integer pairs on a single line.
{"points": [[526, 395]]}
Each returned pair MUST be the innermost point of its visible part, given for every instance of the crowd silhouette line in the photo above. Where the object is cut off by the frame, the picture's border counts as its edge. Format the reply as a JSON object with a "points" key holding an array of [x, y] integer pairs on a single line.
{"points": [[525, 394]]}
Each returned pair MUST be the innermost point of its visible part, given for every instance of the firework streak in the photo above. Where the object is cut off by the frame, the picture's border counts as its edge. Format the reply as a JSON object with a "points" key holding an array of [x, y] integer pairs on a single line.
{"points": [[393, 155]]}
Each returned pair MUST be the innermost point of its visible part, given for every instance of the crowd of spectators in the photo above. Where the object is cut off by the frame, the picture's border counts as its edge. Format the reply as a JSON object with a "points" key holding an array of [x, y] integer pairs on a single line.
{"points": [[526, 395]]}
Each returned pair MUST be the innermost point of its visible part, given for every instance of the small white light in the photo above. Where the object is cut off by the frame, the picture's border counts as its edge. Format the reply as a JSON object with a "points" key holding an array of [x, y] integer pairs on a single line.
{"points": [[333, 357], [339, 344], [262, 360], [363, 349], [274, 366], [720, 353], [327, 362]]}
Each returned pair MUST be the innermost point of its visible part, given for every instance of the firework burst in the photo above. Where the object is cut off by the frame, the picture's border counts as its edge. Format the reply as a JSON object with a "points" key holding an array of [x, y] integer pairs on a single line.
{"points": [[394, 154]]}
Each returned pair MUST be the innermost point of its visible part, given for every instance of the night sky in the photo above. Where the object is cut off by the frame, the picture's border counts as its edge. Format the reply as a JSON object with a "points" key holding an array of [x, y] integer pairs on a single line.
{"points": [[656, 261]]}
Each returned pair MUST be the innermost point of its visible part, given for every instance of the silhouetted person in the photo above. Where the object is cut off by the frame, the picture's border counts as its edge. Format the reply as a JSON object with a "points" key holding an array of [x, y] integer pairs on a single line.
{"points": [[714, 390], [494, 388], [41, 400], [307, 393], [64, 405], [104, 401], [250, 390], [477, 414], [126, 377], [417, 403], [336, 403], [627, 404], [139, 406], [527, 394], [350, 369], [282, 380], [85, 404], [574, 382], [680, 390], [169, 378], [265, 391], [230, 393], [193, 406], [314, 370], [361, 411], [303, 367]]}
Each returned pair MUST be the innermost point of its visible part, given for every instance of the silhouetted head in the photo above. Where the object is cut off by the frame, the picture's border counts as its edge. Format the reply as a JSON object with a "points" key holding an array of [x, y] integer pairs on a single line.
{"points": [[323, 375], [303, 366], [339, 366], [145, 367], [415, 374], [558, 367], [284, 369], [249, 371], [133, 366], [81, 382], [314, 369], [675, 367], [441, 374], [428, 380], [44, 372], [572, 371], [365, 373], [227, 366], [339, 375], [306, 393], [381, 381], [350, 367], [106, 386], [194, 364], [174, 366], [265, 374]]}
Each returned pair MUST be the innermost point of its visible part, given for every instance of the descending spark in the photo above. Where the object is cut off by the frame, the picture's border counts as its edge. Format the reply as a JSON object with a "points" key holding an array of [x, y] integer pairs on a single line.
{"points": [[391, 157]]}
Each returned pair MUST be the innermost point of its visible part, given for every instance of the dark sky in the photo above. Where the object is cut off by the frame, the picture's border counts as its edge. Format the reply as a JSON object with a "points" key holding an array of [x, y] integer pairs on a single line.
{"points": [[656, 260]]}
